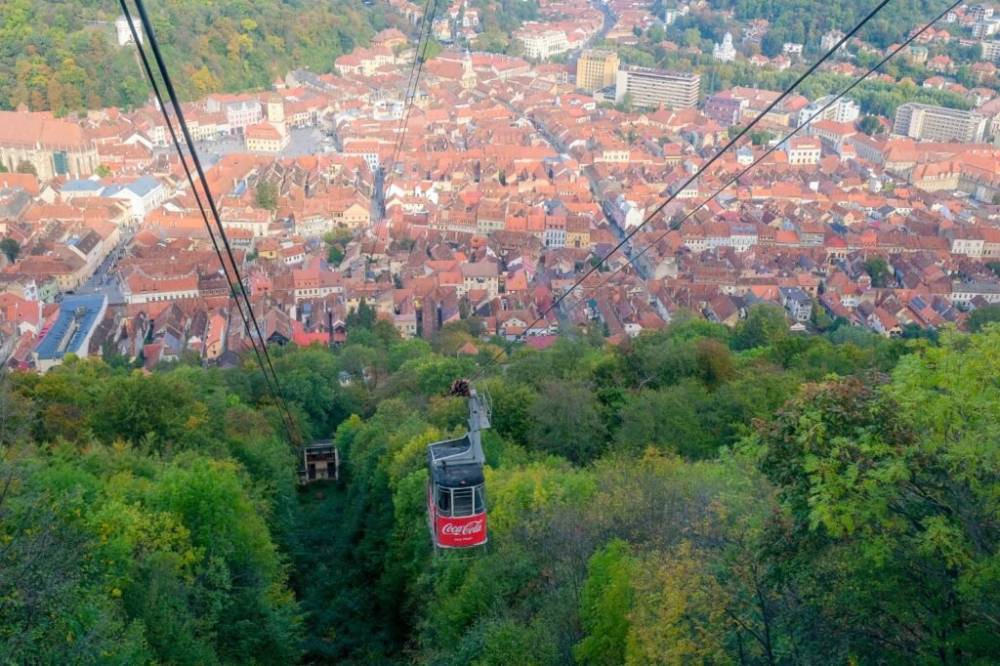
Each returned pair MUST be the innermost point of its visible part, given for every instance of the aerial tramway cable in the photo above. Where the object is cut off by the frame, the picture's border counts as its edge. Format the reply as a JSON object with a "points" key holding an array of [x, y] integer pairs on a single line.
{"points": [[733, 141], [187, 171], [412, 82], [248, 317], [857, 81], [430, 9]]}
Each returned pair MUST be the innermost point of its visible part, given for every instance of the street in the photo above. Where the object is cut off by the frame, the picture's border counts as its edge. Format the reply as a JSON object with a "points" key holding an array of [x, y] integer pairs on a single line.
{"points": [[105, 278]]}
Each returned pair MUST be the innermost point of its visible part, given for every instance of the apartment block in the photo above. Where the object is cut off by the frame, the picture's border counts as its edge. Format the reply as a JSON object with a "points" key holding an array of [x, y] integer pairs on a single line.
{"points": [[652, 87], [937, 123], [596, 69]]}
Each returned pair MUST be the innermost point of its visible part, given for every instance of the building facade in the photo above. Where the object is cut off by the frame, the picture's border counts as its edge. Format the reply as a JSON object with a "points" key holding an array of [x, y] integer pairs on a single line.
{"points": [[725, 52], [653, 88], [843, 110], [937, 123], [596, 69], [543, 44], [52, 147]]}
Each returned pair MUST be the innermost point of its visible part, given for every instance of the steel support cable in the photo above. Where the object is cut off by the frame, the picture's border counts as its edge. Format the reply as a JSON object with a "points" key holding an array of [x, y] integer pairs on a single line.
{"points": [[413, 80], [286, 417], [426, 26], [733, 141], [187, 172], [674, 226], [249, 318], [179, 113]]}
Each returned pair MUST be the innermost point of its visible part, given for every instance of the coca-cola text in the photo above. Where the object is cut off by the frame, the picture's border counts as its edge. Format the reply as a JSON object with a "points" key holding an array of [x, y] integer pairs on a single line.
{"points": [[454, 529]]}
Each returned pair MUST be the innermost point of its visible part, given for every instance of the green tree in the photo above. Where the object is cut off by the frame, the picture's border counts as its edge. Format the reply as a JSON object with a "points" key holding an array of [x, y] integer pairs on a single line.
{"points": [[25, 166], [870, 125], [765, 324], [605, 605], [432, 49], [671, 418], [11, 248], [266, 195], [361, 317], [566, 420], [761, 137], [869, 481], [980, 317], [878, 270], [680, 613]]}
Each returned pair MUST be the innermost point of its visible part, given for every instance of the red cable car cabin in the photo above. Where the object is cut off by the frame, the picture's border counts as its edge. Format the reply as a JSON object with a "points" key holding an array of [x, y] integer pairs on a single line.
{"points": [[456, 501]]}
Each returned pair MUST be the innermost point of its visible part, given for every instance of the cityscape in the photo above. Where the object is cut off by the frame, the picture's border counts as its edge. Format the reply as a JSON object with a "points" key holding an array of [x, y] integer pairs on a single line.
{"points": [[514, 175], [500, 332]]}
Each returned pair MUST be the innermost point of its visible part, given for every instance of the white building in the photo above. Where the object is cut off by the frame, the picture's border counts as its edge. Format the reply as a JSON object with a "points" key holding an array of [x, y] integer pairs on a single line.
{"points": [[964, 293], [143, 196], [791, 49], [985, 28], [124, 34], [744, 155], [804, 151], [139, 288], [544, 43], [991, 51], [241, 111], [797, 302], [627, 213], [79, 317], [831, 39], [844, 110], [654, 87], [725, 52]]}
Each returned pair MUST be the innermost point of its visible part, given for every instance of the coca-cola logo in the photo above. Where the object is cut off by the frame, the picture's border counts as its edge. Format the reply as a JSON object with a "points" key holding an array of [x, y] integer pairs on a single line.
{"points": [[465, 529]]}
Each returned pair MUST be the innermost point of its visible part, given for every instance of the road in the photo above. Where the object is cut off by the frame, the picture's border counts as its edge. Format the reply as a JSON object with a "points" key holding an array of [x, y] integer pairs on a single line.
{"points": [[105, 278], [609, 22]]}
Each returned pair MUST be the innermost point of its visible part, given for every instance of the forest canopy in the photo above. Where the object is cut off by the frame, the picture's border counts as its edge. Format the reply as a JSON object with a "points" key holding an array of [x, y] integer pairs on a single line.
{"points": [[699, 494], [64, 56]]}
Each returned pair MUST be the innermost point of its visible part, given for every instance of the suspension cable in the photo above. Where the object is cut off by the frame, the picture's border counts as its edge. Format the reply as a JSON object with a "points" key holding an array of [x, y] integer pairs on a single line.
{"points": [[674, 226], [430, 10], [413, 81], [743, 132], [248, 317]]}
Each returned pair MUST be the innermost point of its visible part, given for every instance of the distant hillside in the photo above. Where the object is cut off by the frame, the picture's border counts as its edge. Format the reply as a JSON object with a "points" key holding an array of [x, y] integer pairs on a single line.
{"points": [[805, 21], [64, 56]]}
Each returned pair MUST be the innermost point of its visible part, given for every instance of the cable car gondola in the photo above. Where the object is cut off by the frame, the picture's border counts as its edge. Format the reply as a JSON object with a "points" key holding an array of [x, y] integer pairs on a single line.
{"points": [[456, 500]]}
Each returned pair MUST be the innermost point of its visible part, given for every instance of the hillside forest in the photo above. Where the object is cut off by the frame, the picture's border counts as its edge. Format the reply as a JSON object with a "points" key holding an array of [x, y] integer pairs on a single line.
{"points": [[64, 56], [698, 495]]}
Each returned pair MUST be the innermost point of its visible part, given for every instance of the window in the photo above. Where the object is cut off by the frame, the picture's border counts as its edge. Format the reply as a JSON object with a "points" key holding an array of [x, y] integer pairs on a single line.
{"points": [[444, 501], [462, 502]]}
